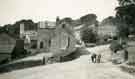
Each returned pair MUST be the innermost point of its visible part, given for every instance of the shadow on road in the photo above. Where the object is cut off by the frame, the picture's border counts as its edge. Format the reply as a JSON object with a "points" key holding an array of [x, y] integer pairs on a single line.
{"points": [[19, 65]]}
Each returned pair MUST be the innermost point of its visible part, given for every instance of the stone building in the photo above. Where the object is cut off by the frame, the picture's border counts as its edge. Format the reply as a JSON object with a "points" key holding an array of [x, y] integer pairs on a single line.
{"points": [[49, 37], [44, 38], [54, 38], [29, 36]]}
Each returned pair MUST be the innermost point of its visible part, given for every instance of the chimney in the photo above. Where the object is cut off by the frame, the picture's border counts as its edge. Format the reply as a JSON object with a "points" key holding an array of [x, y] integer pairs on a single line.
{"points": [[21, 30], [57, 20]]}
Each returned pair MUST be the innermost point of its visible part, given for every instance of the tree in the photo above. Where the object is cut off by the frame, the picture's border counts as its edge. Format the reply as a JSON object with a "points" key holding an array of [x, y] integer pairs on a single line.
{"points": [[3, 29], [125, 13], [88, 19], [126, 2], [123, 30], [109, 20], [14, 29], [67, 20], [88, 36]]}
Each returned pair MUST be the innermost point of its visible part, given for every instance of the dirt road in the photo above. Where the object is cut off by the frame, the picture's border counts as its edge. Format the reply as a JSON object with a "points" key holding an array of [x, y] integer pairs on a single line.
{"points": [[81, 68]]}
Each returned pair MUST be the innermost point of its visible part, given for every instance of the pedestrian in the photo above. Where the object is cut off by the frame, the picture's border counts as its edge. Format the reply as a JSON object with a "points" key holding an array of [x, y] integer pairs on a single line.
{"points": [[98, 58], [126, 55], [44, 60], [93, 57]]}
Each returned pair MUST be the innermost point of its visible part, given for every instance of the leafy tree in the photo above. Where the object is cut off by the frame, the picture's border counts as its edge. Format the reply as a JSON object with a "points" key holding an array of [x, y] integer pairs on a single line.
{"points": [[115, 45], [15, 28], [67, 19], [3, 29], [88, 19], [123, 30], [125, 14], [29, 24], [126, 2], [88, 36], [109, 20]]}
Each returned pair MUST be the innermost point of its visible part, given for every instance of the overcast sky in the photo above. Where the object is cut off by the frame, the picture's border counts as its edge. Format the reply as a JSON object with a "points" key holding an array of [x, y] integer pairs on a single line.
{"points": [[40, 10]]}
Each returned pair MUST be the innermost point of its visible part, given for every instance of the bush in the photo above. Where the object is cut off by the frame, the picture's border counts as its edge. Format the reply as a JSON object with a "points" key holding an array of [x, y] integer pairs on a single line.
{"points": [[115, 45], [88, 36], [16, 54]]}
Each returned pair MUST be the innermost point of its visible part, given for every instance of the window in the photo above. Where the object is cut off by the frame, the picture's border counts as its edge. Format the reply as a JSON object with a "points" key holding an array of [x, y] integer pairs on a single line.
{"points": [[63, 25], [33, 44], [49, 43], [41, 45], [68, 42]]}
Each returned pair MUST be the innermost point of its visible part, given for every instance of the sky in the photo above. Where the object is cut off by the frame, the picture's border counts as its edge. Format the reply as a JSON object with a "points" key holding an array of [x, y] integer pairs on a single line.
{"points": [[41, 10]]}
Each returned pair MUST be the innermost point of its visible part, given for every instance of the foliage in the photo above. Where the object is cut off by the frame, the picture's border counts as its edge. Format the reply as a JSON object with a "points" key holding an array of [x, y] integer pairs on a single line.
{"points": [[125, 13], [88, 36], [115, 45], [67, 19], [109, 20], [19, 53], [123, 30], [88, 19], [3, 29], [126, 2], [15, 28]]}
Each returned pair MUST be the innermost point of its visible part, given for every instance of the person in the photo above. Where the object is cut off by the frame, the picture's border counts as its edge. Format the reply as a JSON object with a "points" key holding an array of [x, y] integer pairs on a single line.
{"points": [[93, 57], [44, 60], [98, 58], [126, 55]]}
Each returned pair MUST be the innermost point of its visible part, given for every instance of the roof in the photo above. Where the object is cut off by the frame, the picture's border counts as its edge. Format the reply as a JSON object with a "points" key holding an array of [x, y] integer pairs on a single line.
{"points": [[7, 43]]}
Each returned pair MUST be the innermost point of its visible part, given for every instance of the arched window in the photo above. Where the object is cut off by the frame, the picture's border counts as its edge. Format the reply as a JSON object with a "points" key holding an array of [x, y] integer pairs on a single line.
{"points": [[49, 43], [41, 45], [68, 42], [63, 25]]}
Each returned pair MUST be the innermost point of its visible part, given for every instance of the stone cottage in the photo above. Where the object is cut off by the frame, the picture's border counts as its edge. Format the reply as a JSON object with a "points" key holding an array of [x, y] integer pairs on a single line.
{"points": [[55, 38], [44, 38], [49, 37], [58, 40]]}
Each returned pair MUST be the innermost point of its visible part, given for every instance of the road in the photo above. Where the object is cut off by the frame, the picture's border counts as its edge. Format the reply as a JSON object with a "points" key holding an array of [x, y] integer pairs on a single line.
{"points": [[81, 68]]}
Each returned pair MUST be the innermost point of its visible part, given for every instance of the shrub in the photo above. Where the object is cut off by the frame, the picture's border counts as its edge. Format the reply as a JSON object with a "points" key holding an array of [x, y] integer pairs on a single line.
{"points": [[88, 36], [115, 45]]}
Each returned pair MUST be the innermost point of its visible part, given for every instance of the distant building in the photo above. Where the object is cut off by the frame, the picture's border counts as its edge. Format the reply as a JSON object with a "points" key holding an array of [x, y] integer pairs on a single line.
{"points": [[7, 44], [29, 36], [49, 37], [32, 34], [44, 36], [53, 38]]}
